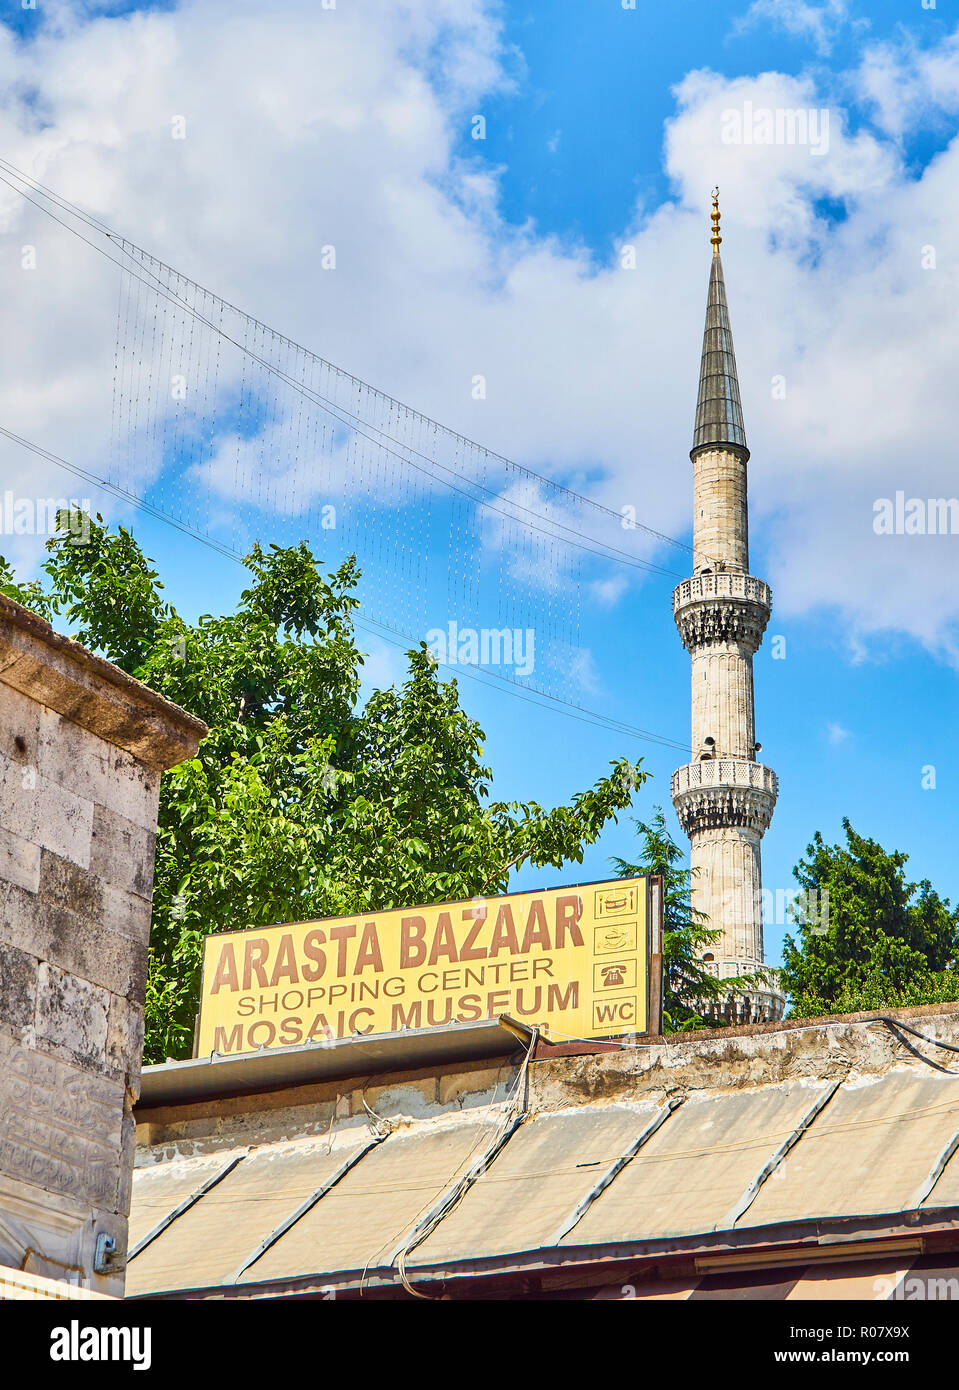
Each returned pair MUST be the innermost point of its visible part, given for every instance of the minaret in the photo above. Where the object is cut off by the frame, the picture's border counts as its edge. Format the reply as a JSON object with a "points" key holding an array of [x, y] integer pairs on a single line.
{"points": [[724, 799]]}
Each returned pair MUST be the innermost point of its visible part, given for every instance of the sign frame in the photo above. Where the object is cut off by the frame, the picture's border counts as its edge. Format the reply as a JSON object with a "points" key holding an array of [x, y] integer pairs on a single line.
{"points": [[653, 914]]}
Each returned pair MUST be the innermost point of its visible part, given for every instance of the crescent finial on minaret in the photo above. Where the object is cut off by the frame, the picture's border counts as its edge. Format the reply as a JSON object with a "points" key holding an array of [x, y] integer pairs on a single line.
{"points": [[715, 238]]}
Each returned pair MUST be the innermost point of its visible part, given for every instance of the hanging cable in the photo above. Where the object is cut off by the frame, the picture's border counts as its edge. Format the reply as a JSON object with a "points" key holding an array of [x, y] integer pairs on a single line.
{"points": [[538, 698], [136, 254], [513, 1117]]}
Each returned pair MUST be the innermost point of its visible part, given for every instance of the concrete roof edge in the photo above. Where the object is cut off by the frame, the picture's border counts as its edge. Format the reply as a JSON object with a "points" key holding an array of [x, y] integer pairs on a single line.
{"points": [[908, 1013]]}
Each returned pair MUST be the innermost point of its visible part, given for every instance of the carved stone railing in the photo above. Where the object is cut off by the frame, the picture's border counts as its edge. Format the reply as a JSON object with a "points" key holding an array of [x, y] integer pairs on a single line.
{"points": [[760, 1002], [719, 792], [723, 607]]}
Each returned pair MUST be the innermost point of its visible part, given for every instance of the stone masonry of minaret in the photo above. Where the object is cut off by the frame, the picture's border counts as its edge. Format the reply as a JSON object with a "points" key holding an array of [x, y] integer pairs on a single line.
{"points": [[725, 797]]}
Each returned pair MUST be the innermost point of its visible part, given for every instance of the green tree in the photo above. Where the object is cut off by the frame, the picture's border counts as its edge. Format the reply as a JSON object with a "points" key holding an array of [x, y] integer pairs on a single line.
{"points": [[300, 803], [688, 987], [867, 938]]}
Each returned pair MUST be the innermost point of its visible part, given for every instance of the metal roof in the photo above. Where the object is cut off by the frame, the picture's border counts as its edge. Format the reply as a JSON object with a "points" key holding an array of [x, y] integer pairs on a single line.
{"points": [[272, 1068], [691, 1175], [549, 1167], [487, 1189], [877, 1147]]}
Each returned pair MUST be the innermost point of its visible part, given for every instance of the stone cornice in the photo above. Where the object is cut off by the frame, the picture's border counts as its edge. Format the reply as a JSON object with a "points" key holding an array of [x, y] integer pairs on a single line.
{"points": [[92, 692]]}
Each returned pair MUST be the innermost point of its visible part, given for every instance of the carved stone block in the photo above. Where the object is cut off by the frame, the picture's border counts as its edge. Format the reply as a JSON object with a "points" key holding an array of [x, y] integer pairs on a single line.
{"points": [[61, 1126]]}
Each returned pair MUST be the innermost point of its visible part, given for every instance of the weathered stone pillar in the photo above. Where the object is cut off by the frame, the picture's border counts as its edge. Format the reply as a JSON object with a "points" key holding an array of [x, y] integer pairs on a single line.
{"points": [[82, 747]]}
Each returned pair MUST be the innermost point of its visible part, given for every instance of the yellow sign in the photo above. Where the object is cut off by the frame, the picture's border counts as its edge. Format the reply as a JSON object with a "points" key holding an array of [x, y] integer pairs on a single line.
{"points": [[573, 961]]}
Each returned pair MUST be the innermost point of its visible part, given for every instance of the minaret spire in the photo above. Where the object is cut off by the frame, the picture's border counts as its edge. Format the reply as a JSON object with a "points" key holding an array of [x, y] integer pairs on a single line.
{"points": [[724, 798], [719, 411]]}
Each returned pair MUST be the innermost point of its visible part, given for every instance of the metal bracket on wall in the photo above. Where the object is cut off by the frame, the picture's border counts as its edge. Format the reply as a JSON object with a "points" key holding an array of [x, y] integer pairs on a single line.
{"points": [[106, 1259]]}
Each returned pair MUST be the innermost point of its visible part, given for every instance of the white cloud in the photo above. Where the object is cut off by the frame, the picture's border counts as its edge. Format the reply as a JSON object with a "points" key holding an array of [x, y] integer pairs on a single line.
{"points": [[905, 85], [308, 126], [835, 733], [609, 591], [817, 23]]}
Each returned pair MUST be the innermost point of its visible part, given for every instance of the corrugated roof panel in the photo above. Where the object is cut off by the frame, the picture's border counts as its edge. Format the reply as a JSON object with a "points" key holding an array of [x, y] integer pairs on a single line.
{"points": [[160, 1187], [696, 1166], [359, 1222], [207, 1242], [536, 1181], [871, 1150], [945, 1191]]}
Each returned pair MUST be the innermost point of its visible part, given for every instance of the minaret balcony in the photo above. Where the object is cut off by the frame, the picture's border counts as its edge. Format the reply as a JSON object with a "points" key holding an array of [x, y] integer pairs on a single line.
{"points": [[716, 793], [761, 1002], [724, 606]]}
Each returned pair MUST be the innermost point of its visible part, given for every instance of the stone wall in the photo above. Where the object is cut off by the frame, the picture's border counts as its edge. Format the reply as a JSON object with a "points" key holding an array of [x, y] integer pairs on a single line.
{"points": [[727, 885], [82, 748], [840, 1047]]}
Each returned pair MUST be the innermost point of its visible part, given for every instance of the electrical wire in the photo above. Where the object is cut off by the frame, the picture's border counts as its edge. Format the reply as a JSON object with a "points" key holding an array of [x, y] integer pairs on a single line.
{"points": [[73, 209], [606, 552], [761, 1140], [345, 417], [895, 1024], [488, 1110], [887, 1019], [513, 1107], [513, 1116], [537, 698]]}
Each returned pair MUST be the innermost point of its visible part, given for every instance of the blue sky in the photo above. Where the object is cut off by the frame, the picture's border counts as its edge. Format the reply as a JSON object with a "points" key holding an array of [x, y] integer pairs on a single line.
{"points": [[580, 143], [594, 136]]}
